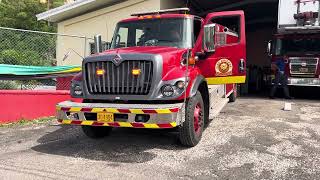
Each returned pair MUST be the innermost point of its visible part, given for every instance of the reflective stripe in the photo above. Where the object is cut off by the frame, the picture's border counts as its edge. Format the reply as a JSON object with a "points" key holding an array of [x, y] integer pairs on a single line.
{"points": [[97, 110], [136, 111], [66, 121], [173, 124], [87, 123], [114, 110], [119, 124], [163, 111], [151, 126], [75, 109], [124, 124], [226, 80]]}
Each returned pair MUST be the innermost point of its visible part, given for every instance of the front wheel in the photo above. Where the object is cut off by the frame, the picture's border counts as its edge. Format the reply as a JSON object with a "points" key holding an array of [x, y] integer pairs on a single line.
{"points": [[191, 131], [96, 132]]}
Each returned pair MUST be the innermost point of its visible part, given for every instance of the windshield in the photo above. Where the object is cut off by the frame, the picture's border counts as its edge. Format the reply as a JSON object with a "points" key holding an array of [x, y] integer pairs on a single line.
{"points": [[297, 46], [153, 32]]}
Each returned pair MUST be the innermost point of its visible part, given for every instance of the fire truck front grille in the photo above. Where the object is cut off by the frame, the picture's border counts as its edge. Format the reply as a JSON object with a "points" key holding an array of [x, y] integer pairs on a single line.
{"points": [[303, 66], [119, 80]]}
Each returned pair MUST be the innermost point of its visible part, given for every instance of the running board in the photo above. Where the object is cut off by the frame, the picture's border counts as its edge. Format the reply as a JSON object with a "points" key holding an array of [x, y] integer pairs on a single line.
{"points": [[218, 100]]}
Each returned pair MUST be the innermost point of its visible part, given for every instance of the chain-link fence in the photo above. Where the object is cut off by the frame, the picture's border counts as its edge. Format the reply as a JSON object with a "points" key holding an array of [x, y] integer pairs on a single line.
{"points": [[34, 48]]}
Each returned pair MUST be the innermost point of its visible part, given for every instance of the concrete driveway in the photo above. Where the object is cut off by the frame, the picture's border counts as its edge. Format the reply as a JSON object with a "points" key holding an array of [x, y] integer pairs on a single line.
{"points": [[251, 139]]}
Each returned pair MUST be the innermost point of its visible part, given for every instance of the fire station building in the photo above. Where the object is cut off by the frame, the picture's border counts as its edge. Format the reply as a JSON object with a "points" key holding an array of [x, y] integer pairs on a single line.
{"points": [[86, 18]]}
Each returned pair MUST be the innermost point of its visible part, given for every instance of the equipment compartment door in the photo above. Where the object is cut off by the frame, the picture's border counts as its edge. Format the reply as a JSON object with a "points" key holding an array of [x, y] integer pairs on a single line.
{"points": [[227, 64]]}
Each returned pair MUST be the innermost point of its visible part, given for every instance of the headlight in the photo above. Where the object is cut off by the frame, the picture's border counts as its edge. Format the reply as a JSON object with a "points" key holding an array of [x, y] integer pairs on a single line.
{"points": [[77, 90], [167, 90]]}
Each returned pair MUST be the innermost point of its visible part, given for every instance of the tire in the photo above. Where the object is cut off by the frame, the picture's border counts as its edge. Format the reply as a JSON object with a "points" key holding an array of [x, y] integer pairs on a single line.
{"points": [[96, 132], [190, 132], [233, 95]]}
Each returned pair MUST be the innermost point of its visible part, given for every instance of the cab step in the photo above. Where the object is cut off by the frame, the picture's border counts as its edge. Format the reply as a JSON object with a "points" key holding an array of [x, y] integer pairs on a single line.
{"points": [[218, 99]]}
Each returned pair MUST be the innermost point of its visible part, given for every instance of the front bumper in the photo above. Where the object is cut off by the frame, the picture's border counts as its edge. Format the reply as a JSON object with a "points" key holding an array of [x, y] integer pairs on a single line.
{"points": [[304, 82], [161, 115]]}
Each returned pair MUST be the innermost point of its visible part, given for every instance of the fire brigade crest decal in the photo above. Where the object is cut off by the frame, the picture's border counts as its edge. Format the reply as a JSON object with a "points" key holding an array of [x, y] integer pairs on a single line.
{"points": [[224, 67]]}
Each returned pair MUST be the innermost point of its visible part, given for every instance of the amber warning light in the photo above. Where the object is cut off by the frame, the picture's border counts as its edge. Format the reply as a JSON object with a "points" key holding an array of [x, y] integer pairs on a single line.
{"points": [[100, 72], [136, 72]]}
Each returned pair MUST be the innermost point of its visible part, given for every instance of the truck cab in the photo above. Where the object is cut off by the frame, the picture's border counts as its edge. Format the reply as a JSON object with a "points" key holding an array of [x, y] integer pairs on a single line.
{"points": [[165, 69]]}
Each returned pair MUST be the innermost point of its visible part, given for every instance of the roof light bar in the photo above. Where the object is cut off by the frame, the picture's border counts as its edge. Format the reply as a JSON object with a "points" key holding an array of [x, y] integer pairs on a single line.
{"points": [[175, 10]]}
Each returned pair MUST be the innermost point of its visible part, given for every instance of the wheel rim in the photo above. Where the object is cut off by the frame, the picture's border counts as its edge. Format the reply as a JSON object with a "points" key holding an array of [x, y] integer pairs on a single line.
{"points": [[197, 118]]}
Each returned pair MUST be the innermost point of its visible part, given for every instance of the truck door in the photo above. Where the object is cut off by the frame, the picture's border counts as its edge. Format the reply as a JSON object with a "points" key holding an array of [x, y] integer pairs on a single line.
{"points": [[225, 59]]}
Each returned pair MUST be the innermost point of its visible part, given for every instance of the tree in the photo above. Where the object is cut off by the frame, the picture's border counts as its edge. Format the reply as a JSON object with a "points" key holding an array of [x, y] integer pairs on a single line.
{"points": [[21, 14]]}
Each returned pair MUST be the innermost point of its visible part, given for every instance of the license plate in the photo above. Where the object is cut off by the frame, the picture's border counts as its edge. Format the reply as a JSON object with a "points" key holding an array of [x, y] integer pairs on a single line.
{"points": [[105, 117], [304, 70]]}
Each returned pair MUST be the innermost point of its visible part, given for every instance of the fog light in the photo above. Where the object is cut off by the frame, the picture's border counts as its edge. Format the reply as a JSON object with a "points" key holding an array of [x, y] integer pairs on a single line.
{"points": [[77, 90], [142, 118], [100, 72], [167, 90], [136, 72]]}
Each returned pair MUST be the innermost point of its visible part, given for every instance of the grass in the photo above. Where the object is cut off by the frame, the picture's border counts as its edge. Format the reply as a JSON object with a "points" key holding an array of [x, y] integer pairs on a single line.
{"points": [[24, 122]]}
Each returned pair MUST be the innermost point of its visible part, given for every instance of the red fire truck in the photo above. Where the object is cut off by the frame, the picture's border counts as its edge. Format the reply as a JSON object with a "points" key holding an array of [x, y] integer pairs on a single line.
{"points": [[164, 69], [297, 42]]}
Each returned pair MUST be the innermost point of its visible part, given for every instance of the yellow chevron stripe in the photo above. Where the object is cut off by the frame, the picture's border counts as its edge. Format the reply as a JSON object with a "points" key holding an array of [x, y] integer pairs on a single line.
{"points": [[226, 80], [87, 123], [66, 121], [121, 124], [151, 126], [75, 109], [125, 124], [112, 110], [173, 124], [163, 111], [97, 110], [136, 111]]}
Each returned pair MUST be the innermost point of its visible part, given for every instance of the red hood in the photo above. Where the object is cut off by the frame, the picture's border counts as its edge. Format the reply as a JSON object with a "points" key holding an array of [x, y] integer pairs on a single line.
{"points": [[171, 56], [146, 49]]}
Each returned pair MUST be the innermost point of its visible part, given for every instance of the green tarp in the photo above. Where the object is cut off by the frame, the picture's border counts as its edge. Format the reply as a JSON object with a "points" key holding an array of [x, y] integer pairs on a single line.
{"points": [[17, 70]]}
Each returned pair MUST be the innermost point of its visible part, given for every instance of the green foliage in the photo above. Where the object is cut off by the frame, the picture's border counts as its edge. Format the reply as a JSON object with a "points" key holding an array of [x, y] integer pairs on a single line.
{"points": [[26, 48], [21, 14]]}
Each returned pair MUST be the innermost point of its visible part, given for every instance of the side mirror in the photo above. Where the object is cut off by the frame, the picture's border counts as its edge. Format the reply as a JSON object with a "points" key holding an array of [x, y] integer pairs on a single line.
{"points": [[269, 48], [98, 43], [209, 37]]}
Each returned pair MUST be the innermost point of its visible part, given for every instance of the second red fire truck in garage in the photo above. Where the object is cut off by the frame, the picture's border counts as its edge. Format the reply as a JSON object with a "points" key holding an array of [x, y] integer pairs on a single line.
{"points": [[297, 42]]}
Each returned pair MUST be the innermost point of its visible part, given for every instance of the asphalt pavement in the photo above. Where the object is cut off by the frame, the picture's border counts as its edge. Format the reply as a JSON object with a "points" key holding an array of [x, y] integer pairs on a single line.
{"points": [[251, 139]]}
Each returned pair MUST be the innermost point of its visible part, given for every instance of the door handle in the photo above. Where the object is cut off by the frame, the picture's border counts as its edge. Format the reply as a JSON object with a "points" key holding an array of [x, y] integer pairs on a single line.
{"points": [[241, 65]]}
